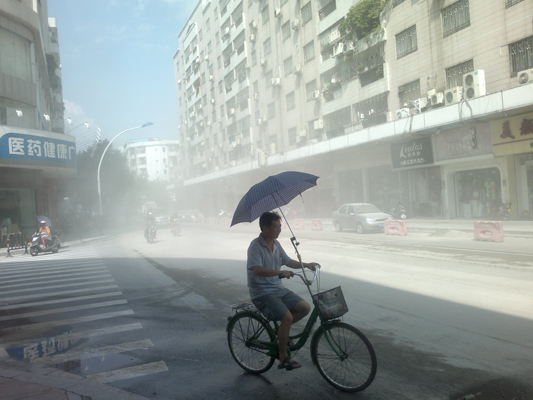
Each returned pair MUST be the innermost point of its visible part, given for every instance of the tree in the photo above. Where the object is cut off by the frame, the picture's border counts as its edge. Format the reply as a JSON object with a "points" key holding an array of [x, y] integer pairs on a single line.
{"points": [[363, 18]]}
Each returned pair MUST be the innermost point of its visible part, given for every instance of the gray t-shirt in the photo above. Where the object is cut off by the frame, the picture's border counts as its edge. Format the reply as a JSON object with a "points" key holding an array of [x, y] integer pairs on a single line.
{"points": [[259, 254]]}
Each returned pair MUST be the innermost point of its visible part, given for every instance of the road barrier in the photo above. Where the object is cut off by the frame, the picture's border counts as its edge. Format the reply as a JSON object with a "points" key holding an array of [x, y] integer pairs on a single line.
{"points": [[394, 227], [488, 231], [316, 224], [298, 223], [16, 241]]}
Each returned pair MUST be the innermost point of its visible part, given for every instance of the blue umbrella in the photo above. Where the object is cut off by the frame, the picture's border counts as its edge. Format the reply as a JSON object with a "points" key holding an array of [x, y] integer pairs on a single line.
{"points": [[43, 218], [274, 192]]}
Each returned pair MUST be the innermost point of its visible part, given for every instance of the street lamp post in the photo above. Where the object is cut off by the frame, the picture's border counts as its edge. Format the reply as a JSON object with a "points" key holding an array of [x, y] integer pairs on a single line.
{"points": [[103, 154]]}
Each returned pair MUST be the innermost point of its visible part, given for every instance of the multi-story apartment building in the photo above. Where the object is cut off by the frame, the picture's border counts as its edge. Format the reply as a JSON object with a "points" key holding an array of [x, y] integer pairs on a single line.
{"points": [[432, 109], [155, 159], [35, 154]]}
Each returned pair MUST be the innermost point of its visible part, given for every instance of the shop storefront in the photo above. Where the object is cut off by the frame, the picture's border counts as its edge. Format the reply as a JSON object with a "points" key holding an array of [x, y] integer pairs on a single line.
{"points": [[420, 185], [513, 140], [31, 163], [471, 174]]}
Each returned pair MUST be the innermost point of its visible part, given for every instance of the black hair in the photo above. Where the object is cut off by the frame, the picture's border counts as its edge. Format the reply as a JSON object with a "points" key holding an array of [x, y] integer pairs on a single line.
{"points": [[266, 219]]}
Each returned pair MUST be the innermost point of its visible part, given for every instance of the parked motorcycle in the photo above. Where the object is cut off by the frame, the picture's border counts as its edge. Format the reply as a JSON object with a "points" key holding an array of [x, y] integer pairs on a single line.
{"points": [[37, 247], [501, 212], [224, 218], [175, 226], [397, 213]]}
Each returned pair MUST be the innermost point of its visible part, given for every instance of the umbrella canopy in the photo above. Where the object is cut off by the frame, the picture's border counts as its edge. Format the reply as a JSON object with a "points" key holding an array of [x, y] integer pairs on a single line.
{"points": [[275, 191], [43, 218]]}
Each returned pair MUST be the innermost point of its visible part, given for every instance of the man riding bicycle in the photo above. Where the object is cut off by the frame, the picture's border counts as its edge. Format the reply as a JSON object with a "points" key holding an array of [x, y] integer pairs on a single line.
{"points": [[265, 258]]}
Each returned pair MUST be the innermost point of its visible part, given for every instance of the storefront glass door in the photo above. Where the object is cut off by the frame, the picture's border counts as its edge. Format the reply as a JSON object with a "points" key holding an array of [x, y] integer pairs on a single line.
{"points": [[524, 185], [476, 192]]}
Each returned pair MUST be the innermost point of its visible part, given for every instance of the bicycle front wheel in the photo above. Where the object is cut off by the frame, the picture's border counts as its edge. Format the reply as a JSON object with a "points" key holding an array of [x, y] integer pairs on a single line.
{"points": [[344, 357], [242, 330]]}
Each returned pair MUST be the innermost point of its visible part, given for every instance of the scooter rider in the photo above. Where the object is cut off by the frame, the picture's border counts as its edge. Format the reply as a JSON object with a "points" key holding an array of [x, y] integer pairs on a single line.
{"points": [[44, 231], [150, 221]]}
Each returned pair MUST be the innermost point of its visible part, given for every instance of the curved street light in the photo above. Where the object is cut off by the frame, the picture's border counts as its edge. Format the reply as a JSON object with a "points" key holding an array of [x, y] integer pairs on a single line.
{"points": [[103, 154]]}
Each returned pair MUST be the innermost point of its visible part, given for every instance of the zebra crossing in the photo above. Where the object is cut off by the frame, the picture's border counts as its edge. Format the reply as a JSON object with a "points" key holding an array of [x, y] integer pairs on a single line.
{"points": [[66, 309]]}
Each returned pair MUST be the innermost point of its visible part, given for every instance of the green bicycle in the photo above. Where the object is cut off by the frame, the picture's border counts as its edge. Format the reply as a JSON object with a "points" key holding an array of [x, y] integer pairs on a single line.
{"points": [[341, 353]]}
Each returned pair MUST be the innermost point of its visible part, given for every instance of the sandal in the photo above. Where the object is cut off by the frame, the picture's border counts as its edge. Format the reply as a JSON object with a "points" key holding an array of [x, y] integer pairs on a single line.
{"points": [[288, 364]]}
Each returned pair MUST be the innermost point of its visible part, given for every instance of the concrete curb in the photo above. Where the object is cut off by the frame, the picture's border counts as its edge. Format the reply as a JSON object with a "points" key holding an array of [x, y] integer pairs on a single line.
{"points": [[20, 373]]}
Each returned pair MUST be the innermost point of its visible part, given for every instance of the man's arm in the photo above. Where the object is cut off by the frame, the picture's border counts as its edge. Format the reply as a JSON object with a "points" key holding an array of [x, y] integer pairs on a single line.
{"points": [[296, 265], [265, 272]]}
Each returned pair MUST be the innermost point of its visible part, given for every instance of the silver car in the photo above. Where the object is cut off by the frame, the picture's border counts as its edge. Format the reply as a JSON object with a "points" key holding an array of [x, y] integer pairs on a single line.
{"points": [[359, 216]]}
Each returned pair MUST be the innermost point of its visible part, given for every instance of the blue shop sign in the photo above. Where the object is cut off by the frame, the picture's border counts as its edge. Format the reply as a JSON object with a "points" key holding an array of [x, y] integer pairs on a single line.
{"points": [[37, 148]]}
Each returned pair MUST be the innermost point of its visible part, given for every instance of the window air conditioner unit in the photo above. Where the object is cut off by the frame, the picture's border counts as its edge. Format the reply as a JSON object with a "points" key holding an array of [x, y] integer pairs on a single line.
{"points": [[436, 98], [256, 96], [200, 106], [226, 31], [402, 113], [277, 12], [316, 94], [208, 123], [252, 38], [231, 111], [296, 24], [253, 24], [211, 78], [259, 121], [474, 84], [262, 62], [233, 163], [275, 81], [348, 46], [339, 51], [206, 57], [233, 145], [319, 124], [193, 114], [297, 69], [179, 81], [212, 101], [197, 60], [525, 77], [302, 133], [421, 103], [453, 95]]}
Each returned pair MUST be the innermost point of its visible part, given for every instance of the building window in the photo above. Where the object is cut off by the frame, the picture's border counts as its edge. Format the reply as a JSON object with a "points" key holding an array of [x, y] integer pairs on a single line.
{"points": [[310, 89], [307, 13], [397, 2], [454, 75], [267, 47], [265, 15], [326, 8], [309, 52], [254, 58], [217, 37], [268, 78], [271, 110], [208, 24], [455, 17], [219, 62], [406, 42], [200, 35], [521, 55], [292, 136], [287, 66], [510, 3], [209, 48], [286, 31], [291, 101], [283, 2], [408, 93]]}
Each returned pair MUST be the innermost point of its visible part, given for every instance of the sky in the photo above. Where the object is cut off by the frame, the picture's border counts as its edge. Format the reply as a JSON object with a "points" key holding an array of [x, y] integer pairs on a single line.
{"points": [[117, 66]]}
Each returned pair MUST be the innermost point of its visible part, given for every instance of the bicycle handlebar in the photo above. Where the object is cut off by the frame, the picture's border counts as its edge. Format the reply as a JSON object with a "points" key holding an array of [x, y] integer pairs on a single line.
{"points": [[308, 282]]}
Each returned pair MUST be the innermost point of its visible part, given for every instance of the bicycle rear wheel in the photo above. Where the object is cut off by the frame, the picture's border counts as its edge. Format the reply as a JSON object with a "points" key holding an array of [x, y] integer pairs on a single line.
{"points": [[344, 357], [242, 329]]}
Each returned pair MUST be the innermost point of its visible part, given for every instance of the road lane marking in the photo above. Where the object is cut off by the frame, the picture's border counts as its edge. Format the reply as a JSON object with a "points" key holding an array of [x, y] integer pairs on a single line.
{"points": [[69, 321], [56, 287], [68, 299], [73, 336], [52, 294], [96, 352], [130, 372], [62, 264], [106, 275], [42, 275], [63, 310]]}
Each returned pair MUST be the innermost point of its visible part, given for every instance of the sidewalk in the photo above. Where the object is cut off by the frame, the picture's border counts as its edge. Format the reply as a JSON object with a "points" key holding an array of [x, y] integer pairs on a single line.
{"points": [[23, 380]]}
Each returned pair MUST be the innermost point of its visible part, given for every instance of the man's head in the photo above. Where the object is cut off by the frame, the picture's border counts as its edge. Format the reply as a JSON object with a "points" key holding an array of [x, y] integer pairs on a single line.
{"points": [[270, 225]]}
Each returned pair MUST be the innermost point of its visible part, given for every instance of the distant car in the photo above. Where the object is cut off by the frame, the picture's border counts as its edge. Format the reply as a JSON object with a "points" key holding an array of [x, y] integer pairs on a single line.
{"points": [[359, 216], [162, 217], [191, 216]]}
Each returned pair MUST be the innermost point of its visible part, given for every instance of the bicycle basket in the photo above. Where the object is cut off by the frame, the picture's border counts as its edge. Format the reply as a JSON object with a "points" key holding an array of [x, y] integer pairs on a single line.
{"points": [[331, 303]]}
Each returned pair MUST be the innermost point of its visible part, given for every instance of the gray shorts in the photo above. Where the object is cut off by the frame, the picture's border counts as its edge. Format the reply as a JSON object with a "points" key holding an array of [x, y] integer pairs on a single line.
{"points": [[275, 305]]}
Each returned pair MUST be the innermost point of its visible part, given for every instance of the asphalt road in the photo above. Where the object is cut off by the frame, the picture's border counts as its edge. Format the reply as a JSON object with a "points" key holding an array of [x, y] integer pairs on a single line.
{"points": [[447, 316]]}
